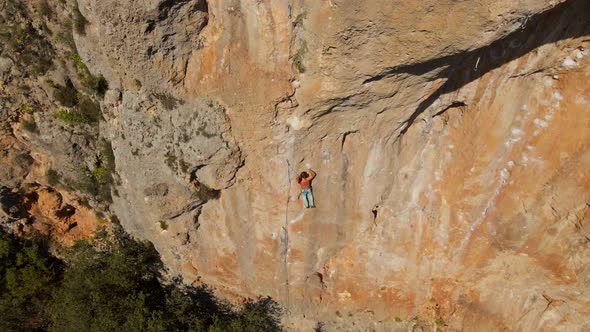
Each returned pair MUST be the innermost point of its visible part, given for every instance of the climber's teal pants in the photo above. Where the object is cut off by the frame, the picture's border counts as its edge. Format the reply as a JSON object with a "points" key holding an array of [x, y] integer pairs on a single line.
{"points": [[307, 197]]}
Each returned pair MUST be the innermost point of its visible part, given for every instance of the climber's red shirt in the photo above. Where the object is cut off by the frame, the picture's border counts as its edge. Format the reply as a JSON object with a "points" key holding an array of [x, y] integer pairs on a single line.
{"points": [[306, 182]]}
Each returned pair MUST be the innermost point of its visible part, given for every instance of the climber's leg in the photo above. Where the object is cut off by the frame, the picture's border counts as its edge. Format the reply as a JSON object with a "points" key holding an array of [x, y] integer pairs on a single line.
{"points": [[304, 196], [310, 198]]}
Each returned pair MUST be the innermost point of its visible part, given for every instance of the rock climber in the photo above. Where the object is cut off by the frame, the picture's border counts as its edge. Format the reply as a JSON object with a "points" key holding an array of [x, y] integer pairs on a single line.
{"points": [[304, 180], [290, 8]]}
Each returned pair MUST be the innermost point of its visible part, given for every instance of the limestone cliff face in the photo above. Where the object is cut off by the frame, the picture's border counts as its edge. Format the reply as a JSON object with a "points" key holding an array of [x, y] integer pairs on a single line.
{"points": [[450, 140]]}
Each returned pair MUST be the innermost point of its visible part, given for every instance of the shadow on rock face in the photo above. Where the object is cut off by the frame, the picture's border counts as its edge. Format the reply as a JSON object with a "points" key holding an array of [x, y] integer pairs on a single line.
{"points": [[11, 204], [564, 21]]}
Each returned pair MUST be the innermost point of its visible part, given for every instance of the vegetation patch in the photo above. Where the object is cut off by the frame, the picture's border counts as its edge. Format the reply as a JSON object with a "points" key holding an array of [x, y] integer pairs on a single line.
{"points": [[84, 182], [80, 21], [44, 9], [65, 95], [21, 40], [26, 108], [65, 36], [30, 126], [107, 156], [298, 57], [85, 111], [28, 276], [41, 292], [89, 108], [52, 177], [163, 225], [72, 117], [102, 175], [298, 22], [96, 84], [168, 101]]}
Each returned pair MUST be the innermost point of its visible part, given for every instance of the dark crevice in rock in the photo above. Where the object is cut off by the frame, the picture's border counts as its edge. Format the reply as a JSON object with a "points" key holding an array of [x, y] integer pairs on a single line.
{"points": [[187, 208], [11, 203], [167, 7], [66, 212], [72, 226], [529, 73], [454, 104], [345, 135], [341, 104], [320, 277], [375, 211]]}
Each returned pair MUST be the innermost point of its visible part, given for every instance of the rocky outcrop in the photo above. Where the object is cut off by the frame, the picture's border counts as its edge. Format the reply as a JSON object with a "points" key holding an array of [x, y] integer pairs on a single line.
{"points": [[449, 140]]}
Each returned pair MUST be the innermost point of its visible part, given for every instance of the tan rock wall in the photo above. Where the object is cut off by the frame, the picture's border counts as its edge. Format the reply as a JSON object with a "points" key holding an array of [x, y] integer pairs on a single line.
{"points": [[449, 137]]}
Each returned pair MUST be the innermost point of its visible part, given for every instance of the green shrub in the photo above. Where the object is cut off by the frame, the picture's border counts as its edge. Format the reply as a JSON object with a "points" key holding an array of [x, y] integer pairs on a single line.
{"points": [[298, 57], [128, 295], [28, 275], [85, 182], [65, 37], [66, 95], [168, 101], [72, 117], [102, 175], [104, 193], [97, 84], [44, 9], [52, 177], [30, 126], [26, 108], [80, 21], [80, 66], [107, 156], [163, 225], [299, 19], [88, 108], [111, 283], [35, 53], [260, 315]]}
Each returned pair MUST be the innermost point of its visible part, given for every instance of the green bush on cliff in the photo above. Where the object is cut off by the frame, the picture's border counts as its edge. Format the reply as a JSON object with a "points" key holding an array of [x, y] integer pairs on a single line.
{"points": [[80, 21], [86, 111], [96, 84], [30, 126], [89, 108], [298, 57], [44, 9], [128, 295], [102, 175], [66, 95], [72, 117], [52, 177], [28, 274], [111, 283]]}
